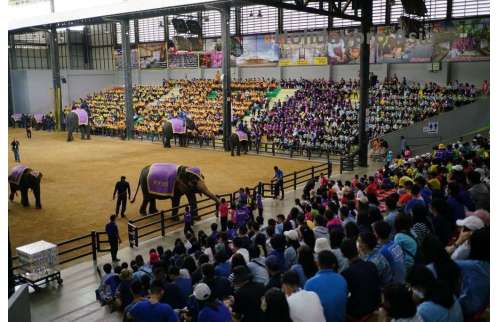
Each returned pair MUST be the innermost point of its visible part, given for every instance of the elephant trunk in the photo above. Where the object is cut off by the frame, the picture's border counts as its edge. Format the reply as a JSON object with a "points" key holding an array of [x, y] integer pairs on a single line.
{"points": [[136, 190], [202, 188]]}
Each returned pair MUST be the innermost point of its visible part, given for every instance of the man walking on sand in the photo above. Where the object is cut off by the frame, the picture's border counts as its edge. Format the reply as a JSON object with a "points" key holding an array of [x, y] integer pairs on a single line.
{"points": [[15, 149]]}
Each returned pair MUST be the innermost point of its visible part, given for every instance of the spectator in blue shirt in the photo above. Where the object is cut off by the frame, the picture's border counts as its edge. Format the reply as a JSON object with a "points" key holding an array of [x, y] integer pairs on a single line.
{"points": [[330, 287], [113, 237], [278, 183], [152, 309], [183, 283], [416, 199], [212, 309], [222, 266], [436, 302], [390, 250], [366, 247], [475, 292]]}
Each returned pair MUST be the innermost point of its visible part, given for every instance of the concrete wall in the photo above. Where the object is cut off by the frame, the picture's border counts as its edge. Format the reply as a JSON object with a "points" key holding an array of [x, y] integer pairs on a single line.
{"points": [[452, 125], [80, 83], [31, 90], [420, 72], [472, 72], [259, 72]]}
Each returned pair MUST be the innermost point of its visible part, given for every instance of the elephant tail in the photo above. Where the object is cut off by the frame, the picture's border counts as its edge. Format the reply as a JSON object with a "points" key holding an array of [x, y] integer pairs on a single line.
{"points": [[136, 190]]}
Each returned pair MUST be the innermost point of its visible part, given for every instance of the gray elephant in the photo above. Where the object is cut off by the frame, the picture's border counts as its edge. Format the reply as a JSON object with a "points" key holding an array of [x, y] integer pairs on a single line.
{"points": [[239, 140], [182, 129], [170, 181], [78, 118], [22, 178]]}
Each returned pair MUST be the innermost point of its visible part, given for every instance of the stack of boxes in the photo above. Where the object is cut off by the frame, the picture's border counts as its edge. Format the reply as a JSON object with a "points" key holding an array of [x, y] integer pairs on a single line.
{"points": [[38, 258]]}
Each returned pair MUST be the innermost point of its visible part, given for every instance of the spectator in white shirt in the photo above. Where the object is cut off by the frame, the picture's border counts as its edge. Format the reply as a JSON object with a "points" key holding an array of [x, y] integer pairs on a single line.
{"points": [[305, 306]]}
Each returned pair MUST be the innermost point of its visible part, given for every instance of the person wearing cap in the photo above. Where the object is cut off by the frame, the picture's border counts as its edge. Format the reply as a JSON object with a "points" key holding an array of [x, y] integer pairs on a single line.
{"points": [[212, 309], [461, 248], [330, 287], [292, 238], [151, 309], [247, 296]]}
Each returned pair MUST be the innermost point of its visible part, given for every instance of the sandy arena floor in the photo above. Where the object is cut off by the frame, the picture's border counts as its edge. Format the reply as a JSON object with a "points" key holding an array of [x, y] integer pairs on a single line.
{"points": [[79, 178]]}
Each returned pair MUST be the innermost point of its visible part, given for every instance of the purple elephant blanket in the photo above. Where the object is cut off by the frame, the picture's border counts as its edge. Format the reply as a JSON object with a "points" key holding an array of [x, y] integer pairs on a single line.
{"points": [[38, 117], [83, 117], [16, 173], [242, 135], [178, 125], [161, 178], [17, 117]]}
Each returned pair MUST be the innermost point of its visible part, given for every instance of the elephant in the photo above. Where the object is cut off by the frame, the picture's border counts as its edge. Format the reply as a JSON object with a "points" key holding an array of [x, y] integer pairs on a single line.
{"points": [[182, 134], [171, 182], [78, 118], [238, 140], [23, 178]]}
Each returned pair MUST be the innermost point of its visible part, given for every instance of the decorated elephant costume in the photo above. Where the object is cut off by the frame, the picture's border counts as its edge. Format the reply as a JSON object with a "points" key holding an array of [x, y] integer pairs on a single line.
{"points": [[171, 181], [78, 118], [239, 139], [178, 128], [23, 178]]}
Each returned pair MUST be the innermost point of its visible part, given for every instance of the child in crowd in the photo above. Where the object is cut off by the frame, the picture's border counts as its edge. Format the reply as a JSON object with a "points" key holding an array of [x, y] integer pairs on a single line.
{"points": [[188, 221]]}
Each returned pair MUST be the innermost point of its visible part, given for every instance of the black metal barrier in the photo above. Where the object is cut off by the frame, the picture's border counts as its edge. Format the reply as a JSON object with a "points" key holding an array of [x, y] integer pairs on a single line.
{"points": [[154, 225], [75, 248]]}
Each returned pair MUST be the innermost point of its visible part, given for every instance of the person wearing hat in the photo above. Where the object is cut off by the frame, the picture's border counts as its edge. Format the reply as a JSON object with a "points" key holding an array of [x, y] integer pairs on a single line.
{"points": [[212, 309], [247, 296], [461, 248], [151, 309]]}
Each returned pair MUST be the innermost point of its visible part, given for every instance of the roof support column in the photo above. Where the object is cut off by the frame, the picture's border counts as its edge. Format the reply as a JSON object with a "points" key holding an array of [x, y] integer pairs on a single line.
{"points": [[56, 75], [127, 78], [364, 87], [226, 74]]}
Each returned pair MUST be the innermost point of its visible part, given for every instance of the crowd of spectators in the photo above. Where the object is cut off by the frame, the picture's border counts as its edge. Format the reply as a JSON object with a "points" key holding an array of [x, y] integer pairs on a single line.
{"points": [[324, 114], [409, 243], [199, 99]]}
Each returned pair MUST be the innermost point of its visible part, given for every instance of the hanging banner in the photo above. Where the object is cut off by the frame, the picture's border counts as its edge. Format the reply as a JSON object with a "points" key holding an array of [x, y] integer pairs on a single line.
{"points": [[259, 50], [152, 55], [305, 48], [183, 60]]}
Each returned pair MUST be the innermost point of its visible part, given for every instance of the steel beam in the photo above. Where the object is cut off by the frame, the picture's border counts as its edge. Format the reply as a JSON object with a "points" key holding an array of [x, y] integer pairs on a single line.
{"points": [[127, 78], [225, 14], [56, 76], [364, 72]]}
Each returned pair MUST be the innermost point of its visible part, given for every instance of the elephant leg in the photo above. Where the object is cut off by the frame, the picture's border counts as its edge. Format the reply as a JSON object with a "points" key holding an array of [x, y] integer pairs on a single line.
{"points": [[245, 148], [13, 190], [152, 206], [70, 135], [231, 146], [82, 133], [144, 205], [238, 148], [193, 205], [38, 200], [24, 197], [175, 203], [88, 132]]}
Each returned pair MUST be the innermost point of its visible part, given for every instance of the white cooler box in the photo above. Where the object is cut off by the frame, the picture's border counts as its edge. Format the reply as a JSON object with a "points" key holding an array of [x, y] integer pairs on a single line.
{"points": [[37, 257]]}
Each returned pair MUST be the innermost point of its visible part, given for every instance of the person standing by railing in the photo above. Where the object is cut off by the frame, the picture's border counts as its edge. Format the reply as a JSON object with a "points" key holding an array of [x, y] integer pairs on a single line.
{"points": [[113, 237], [278, 183]]}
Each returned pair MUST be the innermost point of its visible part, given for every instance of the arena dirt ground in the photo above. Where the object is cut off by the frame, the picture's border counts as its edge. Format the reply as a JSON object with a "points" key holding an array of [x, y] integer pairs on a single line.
{"points": [[79, 177]]}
